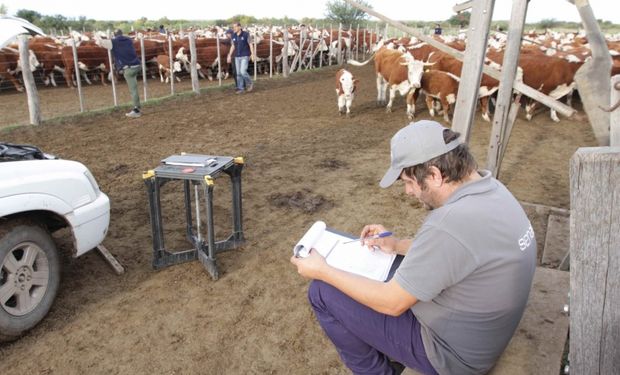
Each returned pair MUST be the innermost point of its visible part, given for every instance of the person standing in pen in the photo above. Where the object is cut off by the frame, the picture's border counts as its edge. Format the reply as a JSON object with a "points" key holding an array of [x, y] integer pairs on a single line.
{"points": [[127, 62], [243, 52]]}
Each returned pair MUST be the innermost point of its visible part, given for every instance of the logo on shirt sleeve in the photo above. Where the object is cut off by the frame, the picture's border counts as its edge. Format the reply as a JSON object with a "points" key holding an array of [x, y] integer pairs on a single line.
{"points": [[526, 240]]}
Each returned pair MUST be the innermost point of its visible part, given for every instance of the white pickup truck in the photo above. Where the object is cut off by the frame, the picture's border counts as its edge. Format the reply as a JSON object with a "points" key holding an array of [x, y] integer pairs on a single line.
{"points": [[40, 194]]}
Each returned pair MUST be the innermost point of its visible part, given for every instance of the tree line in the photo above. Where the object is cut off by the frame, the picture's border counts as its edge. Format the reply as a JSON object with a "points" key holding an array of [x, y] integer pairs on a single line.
{"points": [[337, 11]]}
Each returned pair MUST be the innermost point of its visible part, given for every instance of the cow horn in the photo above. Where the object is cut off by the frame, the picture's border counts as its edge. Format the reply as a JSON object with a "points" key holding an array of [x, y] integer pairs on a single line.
{"points": [[428, 64]]}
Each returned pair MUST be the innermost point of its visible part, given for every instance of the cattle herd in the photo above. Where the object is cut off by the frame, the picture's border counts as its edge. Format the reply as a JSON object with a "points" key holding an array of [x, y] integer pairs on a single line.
{"points": [[548, 61], [307, 47]]}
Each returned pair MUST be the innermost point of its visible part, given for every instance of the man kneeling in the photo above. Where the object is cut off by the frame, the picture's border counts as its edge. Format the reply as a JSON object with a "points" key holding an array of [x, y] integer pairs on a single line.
{"points": [[461, 289]]}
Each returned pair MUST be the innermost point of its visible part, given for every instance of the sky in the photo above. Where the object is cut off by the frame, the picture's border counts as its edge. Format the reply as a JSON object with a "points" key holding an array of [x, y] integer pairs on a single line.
{"points": [[419, 10]]}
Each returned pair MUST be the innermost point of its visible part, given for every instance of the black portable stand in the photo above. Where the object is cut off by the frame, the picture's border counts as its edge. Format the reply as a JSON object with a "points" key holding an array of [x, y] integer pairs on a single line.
{"points": [[199, 171]]}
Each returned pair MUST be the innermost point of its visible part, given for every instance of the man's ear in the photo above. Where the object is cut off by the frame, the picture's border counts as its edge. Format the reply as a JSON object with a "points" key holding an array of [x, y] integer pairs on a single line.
{"points": [[437, 179]]}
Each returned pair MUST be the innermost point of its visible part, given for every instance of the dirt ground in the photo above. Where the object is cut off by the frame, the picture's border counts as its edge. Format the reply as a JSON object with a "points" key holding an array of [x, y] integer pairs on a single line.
{"points": [[303, 163]]}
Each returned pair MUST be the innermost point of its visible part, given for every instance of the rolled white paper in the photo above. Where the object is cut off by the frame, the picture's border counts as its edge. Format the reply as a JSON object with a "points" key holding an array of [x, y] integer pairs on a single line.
{"points": [[302, 249]]}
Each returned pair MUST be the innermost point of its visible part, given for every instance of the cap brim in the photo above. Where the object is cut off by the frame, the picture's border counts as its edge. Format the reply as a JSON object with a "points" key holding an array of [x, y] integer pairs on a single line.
{"points": [[390, 177]]}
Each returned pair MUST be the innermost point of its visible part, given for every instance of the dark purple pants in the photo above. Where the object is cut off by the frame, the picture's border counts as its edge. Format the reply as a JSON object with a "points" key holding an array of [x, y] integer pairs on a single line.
{"points": [[365, 338]]}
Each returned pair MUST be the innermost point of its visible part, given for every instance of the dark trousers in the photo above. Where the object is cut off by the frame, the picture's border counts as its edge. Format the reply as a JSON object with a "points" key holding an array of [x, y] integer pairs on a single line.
{"points": [[365, 339]]}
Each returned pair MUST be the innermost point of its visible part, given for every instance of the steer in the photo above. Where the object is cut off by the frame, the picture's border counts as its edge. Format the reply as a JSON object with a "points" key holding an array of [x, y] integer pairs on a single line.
{"points": [[345, 89], [11, 64], [397, 71], [438, 85]]}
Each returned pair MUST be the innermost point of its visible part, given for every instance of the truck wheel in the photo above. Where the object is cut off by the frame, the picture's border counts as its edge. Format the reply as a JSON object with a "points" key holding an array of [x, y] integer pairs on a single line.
{"points": [[29, 276]]}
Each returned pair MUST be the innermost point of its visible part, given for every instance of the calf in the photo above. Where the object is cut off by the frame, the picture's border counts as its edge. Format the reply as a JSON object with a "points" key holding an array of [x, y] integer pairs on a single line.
{"points": [[345, 89], [438, 85], [163, 64]]}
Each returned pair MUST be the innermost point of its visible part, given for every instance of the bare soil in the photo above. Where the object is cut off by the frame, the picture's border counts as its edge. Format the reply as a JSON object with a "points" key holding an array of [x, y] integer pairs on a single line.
{"points": [[303, 163]]}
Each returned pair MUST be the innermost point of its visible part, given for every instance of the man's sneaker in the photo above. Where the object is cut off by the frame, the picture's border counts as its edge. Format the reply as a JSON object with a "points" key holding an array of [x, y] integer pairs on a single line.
{"points": [[250, 88], [135, 113], [239, 92]]}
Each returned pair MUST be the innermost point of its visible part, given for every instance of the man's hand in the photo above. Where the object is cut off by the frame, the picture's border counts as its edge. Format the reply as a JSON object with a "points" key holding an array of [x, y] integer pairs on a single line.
{"points": [[228, 59], [312, 266], [386, 244], [252, 57]]}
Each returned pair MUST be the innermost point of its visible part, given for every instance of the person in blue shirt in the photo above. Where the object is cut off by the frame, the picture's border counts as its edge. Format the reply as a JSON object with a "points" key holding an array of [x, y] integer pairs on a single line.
{"points": [[243, 52], [129, 64], [437, 29]]}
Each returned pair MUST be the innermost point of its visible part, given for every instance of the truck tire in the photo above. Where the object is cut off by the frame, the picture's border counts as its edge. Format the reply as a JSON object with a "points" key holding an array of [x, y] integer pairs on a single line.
{"points": [[29, 276]]}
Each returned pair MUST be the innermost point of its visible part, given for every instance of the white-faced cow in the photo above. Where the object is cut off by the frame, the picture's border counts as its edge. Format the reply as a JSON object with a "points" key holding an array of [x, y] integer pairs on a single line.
{"points": [[345, 89], [397, 71], [163, 65]]}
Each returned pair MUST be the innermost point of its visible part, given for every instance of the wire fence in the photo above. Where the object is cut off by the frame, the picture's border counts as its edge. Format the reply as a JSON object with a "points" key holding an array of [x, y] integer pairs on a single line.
{"points": [[82, 72]]}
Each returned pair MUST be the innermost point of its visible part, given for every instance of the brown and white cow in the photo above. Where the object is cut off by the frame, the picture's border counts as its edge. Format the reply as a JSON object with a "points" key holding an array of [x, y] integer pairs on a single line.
{"points": [[437, 85], [550, 75], [163, 66], [395, 71], [90, 57], [11, 65], [346, 85]]}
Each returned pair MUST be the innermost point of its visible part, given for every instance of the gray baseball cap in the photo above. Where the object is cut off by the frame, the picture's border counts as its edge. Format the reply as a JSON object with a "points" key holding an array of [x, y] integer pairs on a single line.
{"points": [[415, 144]]}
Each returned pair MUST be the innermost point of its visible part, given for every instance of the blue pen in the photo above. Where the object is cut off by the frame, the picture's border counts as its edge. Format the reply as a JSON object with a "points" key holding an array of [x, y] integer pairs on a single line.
{"points": [[373, 237]]}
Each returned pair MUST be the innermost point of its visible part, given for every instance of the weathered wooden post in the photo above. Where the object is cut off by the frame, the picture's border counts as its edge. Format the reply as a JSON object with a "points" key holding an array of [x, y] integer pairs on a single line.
{"points": [[270, 51], [171, 59], [331, 41], [357, 42], [338, 44], [31, 88], [285, 54], [112, 77], [77, 74], [255, 57], [219, 61], [193, 69], [593, 76], [143, 62], [595, 261], [469, 86], [614, 118], [502, 124]]}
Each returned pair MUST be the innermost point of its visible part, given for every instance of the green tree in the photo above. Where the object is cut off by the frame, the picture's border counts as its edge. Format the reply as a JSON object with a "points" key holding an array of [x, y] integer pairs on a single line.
{"points": [[344, 13], [548, 23], [460, 20], [3, 10], [29, 15]]}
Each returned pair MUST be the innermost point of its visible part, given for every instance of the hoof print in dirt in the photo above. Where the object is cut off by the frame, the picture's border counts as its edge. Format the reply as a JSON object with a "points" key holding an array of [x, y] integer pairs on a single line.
{"points": [[333, 164], [304, 200]]}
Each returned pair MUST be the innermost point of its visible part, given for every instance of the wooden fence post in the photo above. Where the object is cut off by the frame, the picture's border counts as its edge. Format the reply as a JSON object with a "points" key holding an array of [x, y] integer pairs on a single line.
{"points": [[111, 75], [255, 55], [219, 62], [193, 69], [171, 60], [338, 44], [285, 54], [143, 62], [614, 117], [331, 41], [77, 74], [595, 261], [270, 51], [500, 132], [31, 88]]}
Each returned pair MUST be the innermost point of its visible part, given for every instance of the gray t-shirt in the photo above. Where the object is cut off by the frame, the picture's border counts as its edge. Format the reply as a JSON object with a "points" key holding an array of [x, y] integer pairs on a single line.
{"points": [[470, 266]]}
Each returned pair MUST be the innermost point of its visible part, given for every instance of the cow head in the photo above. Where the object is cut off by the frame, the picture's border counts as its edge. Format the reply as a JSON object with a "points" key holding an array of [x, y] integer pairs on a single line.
{"points": [[176, 66], [347, 83], [33, 61], [415, 69]]}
